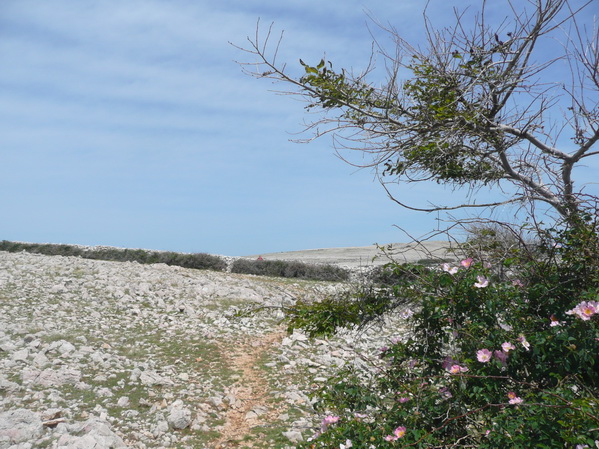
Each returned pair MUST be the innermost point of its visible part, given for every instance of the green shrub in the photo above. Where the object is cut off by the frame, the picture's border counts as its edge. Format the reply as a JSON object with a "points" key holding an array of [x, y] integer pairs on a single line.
{"points": [[489, 362], [198, 261], [290, 269]]}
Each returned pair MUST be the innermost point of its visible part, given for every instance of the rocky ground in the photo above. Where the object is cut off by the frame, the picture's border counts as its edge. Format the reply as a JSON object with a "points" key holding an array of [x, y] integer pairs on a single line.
{"points": [[97, 354]]}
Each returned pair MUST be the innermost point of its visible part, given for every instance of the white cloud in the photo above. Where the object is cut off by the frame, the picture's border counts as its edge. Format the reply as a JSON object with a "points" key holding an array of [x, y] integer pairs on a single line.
{"points": [[118, 103]]}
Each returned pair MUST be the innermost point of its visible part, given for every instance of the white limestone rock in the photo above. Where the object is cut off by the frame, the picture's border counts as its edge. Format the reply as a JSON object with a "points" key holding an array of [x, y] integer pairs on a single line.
{"points": [[19, 426]]}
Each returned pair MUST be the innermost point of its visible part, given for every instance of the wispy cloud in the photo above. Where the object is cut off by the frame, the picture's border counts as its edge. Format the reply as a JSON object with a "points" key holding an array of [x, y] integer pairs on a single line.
{"points": [[129, 123]]}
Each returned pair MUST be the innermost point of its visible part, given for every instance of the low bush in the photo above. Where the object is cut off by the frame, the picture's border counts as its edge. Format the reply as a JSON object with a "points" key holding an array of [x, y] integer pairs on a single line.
{"points": [[492, 358], [198, 261], [290, 269]]}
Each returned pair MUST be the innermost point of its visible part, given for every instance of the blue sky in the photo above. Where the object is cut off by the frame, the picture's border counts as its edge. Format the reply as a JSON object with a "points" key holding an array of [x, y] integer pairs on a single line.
{"points": [[129, 124]]}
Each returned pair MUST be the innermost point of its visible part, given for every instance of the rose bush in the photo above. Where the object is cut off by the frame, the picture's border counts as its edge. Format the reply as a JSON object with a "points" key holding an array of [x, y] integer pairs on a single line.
{"points": [[489, 361]]}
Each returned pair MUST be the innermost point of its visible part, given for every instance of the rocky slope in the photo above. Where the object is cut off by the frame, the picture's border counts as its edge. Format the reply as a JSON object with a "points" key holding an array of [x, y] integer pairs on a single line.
{"points": [[97, 354]]}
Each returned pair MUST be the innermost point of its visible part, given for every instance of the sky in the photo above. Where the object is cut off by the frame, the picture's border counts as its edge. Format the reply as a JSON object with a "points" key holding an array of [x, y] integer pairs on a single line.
{"points": [[130, 124]]}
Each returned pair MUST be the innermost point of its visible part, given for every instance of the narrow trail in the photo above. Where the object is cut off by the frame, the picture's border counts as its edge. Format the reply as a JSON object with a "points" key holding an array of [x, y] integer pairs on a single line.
{"points": [[248, 397]]}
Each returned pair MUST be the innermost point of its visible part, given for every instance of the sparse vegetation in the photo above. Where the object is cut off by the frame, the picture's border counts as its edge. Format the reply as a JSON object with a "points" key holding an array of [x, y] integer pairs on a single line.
{"points": [[198, 261], [290, 269]]}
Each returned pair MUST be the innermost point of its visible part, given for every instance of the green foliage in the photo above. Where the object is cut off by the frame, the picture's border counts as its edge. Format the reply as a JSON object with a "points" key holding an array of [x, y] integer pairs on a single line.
{"points": [[198, 261], [290, 269], [489, 362], [356, 307], [336, 90], [324, 317], [450, 137]]}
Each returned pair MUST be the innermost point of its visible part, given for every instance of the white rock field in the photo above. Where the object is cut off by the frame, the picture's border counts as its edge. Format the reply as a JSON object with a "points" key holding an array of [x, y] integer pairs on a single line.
{"points": [[97, 354]]}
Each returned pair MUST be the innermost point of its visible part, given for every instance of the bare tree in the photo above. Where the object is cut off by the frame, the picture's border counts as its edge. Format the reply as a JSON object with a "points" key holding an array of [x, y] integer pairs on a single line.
{"points": [[479, 108]]}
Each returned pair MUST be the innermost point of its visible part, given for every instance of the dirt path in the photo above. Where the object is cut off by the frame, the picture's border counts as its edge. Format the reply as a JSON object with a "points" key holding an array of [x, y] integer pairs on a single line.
{"points": [[248, 397]]}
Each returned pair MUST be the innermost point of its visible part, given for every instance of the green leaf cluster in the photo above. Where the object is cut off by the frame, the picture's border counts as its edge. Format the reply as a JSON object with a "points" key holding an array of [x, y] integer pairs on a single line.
{"points": [[552, 370]]}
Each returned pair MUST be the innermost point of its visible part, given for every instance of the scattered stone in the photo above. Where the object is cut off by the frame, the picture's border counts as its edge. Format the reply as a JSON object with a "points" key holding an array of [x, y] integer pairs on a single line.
{"points": [[179, 416], [50, 377], [19, 426], [152, 378], [91, 434], [139, 337], [294, 436], [20, 355], [7, 386]]}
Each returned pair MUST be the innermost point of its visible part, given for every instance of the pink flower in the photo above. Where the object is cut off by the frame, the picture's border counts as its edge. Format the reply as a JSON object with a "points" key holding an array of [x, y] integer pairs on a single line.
{"points": [[585, 310], [554, 321], [451, 270], [501, 356], [514, 399], [347, 445], [483, 355], [482, 282], [405, 314], [456, 369], [467, 262], [448, 362], [397, 434], [507, 346], [403, 400], [445, 393], [517, 283], [524, 342], [327, 421]]}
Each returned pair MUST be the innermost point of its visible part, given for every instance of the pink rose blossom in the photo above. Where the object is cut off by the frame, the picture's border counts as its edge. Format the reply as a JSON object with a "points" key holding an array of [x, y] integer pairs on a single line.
{"points": [[501, 356], [524, 342], [484, 355], [407, 313], [448, 362], [585, 310], [397, 434], [327, 421], [456, 369], [482, 282], [554, 321], [445, 393], [330, 420], [514, 399], [507, 346], [467, 262], [449, 269], [404, 399]]}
